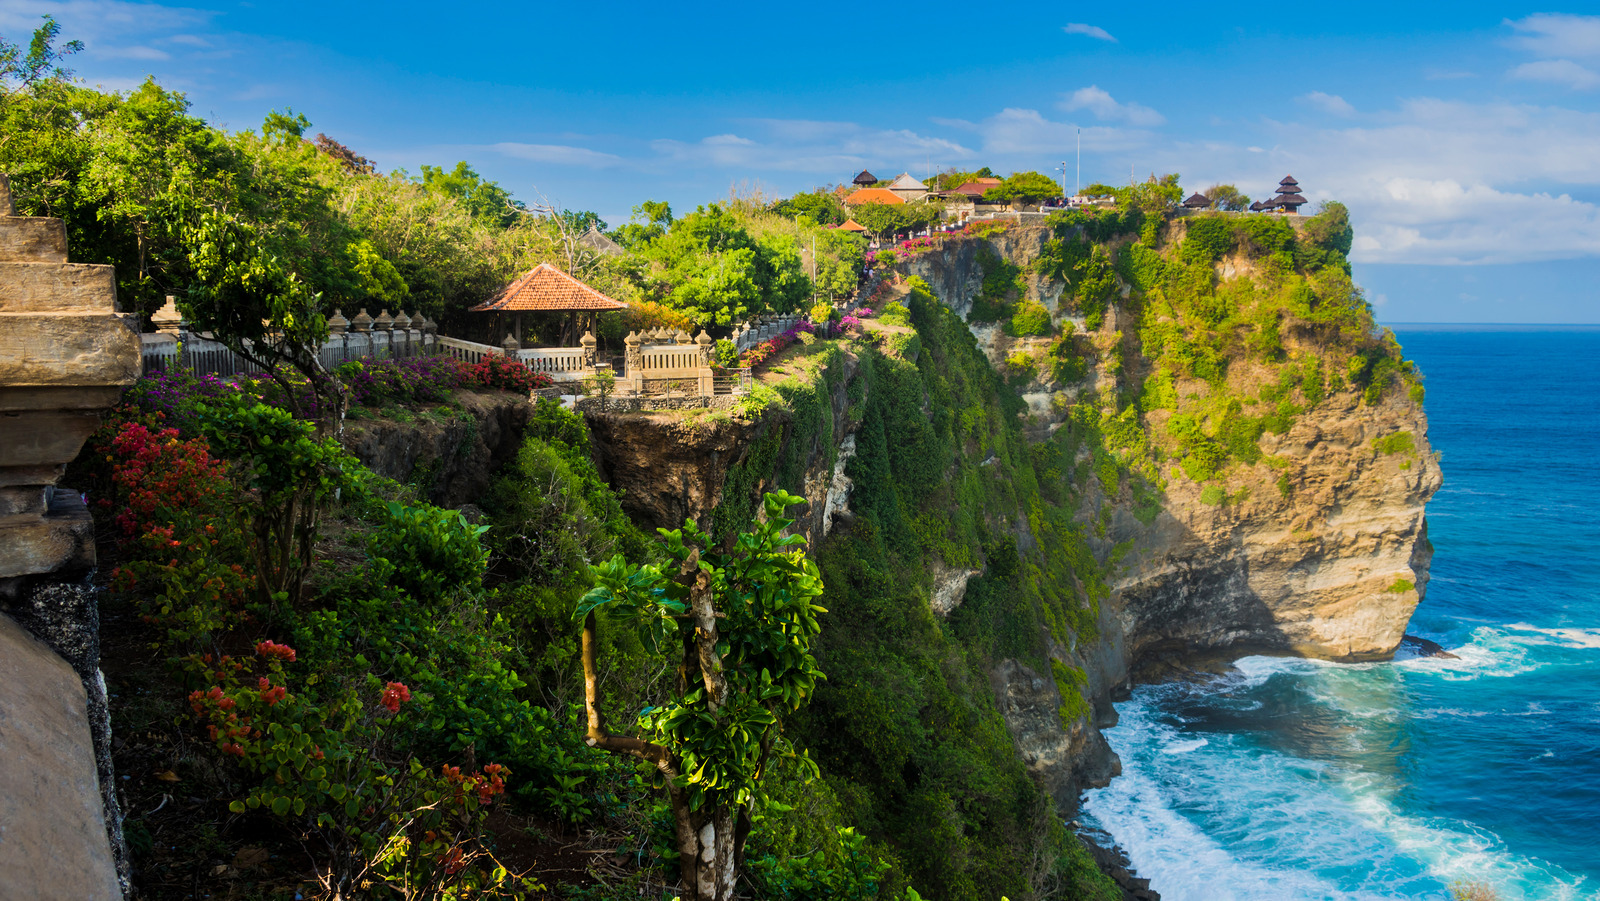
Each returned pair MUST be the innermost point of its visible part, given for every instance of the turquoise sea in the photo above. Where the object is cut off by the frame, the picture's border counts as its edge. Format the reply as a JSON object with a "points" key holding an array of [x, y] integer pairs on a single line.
{"points": [[1294, 779]]}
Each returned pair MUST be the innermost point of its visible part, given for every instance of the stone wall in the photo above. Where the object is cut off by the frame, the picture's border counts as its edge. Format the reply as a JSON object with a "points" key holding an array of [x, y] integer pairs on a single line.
{"points": [[65, 356]]}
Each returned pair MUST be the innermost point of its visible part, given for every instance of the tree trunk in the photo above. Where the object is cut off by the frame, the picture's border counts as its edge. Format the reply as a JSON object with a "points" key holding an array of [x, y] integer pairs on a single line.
{"points": [[706, 846]]}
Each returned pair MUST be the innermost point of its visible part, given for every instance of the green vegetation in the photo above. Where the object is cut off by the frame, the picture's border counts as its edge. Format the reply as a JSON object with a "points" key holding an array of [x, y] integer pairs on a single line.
{"points": [[1401, 586], [1401, 442]]}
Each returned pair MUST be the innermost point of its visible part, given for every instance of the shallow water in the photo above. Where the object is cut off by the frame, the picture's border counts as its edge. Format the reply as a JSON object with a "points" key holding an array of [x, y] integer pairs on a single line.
{"points": [[1307, 780]]}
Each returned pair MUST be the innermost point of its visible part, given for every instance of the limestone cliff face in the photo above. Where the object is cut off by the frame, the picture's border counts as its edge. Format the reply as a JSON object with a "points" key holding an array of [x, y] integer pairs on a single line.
{"points": [[1332, 567], [1324, 554]]}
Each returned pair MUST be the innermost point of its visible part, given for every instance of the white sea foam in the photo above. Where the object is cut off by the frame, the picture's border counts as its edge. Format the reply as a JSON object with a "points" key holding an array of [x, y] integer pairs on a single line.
{"points": [[1568, 638], [1228, 820]]}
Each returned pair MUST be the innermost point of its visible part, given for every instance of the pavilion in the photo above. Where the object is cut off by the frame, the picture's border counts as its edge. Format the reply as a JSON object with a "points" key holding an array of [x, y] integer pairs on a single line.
{"points": [[1197, 201], [851, 225], [864, 179], [547, 289], [1289, 198]]}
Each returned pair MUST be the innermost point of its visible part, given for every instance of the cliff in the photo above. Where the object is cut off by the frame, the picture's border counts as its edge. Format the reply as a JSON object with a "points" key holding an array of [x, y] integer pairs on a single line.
{"points": [[1061, 460]]}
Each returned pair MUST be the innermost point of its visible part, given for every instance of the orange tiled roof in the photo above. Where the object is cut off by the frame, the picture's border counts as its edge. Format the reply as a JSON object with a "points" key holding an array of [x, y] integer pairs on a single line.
{"points": [[548, 289], [875, 195], [851, 225]]}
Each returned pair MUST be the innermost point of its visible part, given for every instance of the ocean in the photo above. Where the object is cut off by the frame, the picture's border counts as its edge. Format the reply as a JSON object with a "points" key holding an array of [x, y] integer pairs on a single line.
{"points": [[1296, 779]]}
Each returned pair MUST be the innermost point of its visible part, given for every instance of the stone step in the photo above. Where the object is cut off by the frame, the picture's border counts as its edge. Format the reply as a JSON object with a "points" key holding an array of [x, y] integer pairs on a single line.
{"points": [[54, 542], [57, 287], [44, 437], [64, 349], [32, 239], [55, 841]]}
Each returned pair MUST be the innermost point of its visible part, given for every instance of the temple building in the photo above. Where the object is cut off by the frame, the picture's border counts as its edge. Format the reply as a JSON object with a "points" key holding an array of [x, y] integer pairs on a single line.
{"points": [[1289, 199], [548, 290], [908, 188]]}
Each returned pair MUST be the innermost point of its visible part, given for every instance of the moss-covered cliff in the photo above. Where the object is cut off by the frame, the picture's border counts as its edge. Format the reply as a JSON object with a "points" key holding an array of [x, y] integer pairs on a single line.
{"points": [[1077, 454]]}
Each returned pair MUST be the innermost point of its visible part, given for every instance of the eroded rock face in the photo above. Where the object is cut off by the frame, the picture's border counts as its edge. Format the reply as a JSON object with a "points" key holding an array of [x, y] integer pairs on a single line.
{"points": [[1066, 761], [452, 462], [1333, 570], [669, 468]]}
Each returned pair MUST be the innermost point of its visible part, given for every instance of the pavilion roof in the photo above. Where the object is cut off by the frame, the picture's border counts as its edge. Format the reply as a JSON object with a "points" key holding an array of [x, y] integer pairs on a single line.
{"points": [[1291, 199], [864, 178], [851, 225], [596, 240], [874, 195], [975, 188], [1197, 201], [1288, 180], [549, 290], [904, 182]]}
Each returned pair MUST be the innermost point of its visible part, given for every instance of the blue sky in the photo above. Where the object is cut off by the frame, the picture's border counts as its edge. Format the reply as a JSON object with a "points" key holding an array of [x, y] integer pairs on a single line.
{"points": [[1466, 142]]}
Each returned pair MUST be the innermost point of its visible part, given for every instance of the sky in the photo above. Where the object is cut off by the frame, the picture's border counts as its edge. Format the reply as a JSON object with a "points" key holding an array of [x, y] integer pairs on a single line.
{"points": [[1464, 139]]}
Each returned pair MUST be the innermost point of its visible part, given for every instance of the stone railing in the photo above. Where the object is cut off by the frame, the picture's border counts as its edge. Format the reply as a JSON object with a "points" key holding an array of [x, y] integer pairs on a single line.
{"points": [[174, 344], [560, 363], [659, 362], [563, 364], [761, 329]]}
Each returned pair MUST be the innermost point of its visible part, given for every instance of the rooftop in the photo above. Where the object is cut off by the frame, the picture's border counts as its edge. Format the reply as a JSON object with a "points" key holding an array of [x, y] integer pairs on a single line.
{"points": [[874, 195], [548, 289]]}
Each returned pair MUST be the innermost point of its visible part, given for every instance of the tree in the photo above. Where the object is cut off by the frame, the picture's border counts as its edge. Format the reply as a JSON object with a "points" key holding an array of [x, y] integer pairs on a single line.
{"points": [[1028, 187], [821, 206], [743, 622], [1152, 196], [486, 200], [1228, 197], [43, 60]]}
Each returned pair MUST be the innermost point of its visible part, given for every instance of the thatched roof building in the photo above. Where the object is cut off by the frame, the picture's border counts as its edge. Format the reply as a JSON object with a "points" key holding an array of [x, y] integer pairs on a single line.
{"points": [[1197, 201], [865, 179]]}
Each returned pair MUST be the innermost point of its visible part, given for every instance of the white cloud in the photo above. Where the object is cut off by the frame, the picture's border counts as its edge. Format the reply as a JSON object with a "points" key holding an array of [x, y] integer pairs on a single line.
{"points": [[821, 148], [1558, 71], [1026, 132], [556, 154], [1093, 31], [1331, 104], [1434, 181], [1104, 106], [136, 51], [1558, 35]]}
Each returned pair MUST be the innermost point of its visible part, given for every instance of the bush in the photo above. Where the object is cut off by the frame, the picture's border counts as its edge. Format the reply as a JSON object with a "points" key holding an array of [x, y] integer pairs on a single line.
{"points": [[1213, 495], [726, 354], [1031, 319], [502, 373], [427, 552], [1400, 442]]}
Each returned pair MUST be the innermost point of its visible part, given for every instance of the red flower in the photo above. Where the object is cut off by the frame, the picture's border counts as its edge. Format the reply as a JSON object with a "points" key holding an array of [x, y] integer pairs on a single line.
{"points": [[273, 650], [394, 694]]}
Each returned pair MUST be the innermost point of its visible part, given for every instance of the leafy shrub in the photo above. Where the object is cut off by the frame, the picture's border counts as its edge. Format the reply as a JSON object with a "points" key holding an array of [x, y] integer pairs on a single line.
{"points": [[894, 313], [502, 373], [1031, 319], [286, 475], [332, 765], [1401, 586], [422, 379], [726, 354], [1213, 495], [426, 551], [179, 533]]}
